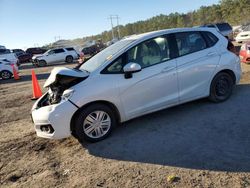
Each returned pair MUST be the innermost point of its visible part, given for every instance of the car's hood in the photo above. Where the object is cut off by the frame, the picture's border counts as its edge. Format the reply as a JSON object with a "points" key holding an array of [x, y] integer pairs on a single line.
{"points": [[37, 56], [244, 33], [60, 72]]}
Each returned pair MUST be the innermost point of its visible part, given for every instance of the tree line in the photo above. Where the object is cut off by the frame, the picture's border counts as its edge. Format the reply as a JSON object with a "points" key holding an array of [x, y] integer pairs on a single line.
{"points": [[235, 12]]}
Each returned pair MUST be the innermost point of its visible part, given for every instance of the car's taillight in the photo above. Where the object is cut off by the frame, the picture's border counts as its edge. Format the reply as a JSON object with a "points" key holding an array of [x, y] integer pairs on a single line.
{"points": [[231, 47]]}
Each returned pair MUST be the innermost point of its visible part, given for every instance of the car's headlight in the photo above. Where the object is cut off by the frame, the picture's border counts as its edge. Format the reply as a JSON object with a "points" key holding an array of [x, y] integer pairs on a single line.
{"points": [[67, 94]]}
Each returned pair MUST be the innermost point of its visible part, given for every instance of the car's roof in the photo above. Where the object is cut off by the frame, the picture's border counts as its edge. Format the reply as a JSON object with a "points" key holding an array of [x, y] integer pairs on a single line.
{"points": [[151, 34]]}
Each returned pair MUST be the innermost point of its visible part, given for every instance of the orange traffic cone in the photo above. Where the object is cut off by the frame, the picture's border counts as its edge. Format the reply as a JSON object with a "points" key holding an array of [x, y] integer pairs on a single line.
{"points": [[16, 76], [37, 93]]}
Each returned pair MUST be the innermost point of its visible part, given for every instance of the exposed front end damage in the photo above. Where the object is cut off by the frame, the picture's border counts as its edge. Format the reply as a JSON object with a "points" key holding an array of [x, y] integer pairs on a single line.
{"points": [[60, 80], [48, 112]]}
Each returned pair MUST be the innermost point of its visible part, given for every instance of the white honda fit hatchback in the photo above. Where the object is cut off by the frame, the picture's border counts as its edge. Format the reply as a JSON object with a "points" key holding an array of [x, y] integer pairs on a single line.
{"points": [[138, 75]]}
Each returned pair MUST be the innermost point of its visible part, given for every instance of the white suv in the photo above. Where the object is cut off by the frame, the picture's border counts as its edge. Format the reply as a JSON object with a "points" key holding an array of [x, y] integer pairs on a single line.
{"points": [[7, 54], [55, 56], [6, 68], [136, 76]]}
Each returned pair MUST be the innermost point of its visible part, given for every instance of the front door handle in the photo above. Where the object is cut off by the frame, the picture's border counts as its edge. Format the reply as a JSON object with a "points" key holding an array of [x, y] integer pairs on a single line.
{"points": [[167, 69]]}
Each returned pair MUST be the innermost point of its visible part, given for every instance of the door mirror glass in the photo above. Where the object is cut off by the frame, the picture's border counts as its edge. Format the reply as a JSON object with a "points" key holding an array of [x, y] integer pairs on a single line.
{"points": [[131, 68]]}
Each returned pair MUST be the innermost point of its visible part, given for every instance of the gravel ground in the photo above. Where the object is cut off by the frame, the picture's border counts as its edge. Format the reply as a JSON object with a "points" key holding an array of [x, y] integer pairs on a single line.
{"points": [[200, 143]]}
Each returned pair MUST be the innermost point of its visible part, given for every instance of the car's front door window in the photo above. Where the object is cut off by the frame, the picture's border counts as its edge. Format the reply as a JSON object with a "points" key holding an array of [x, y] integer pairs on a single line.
{"points": [[116, 66], [150, 52], [51, 52]]}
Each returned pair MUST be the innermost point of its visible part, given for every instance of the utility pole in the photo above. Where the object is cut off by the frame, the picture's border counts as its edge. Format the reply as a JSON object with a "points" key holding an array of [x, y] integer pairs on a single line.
{"points": [[112, 27], [111, 17], [57, 38], [118, 29]]}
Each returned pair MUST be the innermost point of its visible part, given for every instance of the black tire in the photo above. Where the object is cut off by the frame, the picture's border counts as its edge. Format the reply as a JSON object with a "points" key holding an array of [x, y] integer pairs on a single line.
{"points": [[221, 87], [69, 59], [80, 120], [5, 75], [42, 63]]}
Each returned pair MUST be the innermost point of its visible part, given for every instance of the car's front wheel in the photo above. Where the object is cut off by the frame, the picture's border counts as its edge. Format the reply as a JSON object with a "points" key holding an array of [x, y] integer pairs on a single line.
{"points": [[221, 87], [5, 75], [94, 123], [42, 63]]}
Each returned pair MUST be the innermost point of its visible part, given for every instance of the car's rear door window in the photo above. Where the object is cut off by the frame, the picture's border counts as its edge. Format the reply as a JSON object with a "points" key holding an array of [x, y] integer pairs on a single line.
{"points": [[58, 51], [70, 49], [189, 42]]}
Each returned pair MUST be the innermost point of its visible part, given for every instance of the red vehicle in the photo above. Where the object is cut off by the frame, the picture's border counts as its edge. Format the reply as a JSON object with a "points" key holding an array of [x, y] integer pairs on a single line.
{"points": [[245, 53]]}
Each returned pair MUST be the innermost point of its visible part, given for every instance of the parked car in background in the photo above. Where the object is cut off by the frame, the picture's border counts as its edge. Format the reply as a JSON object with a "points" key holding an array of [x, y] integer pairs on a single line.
{"points": [[6, 70], [133, 77], [55, 56], [2, 47], [18, 51], [245, 53], [7, 54], [34, 51], [244, 35], [92, 49], [24, 58], [224, 28]]}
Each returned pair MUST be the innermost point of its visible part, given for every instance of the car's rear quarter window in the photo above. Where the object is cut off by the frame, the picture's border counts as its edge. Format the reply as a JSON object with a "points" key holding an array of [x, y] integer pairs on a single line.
{"points": [[210, 38]]}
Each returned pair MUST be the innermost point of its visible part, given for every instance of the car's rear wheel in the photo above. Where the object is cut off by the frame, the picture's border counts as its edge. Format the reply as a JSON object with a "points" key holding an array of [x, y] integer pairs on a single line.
{"points": [[94, 123], [69, 59], [5, 75], [221, 87], [42, 63]]}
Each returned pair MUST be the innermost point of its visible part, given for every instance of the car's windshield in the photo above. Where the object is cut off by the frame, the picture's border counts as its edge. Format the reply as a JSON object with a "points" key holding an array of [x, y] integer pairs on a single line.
{"points": [[246, 28], [105, 55], [47, 52]]}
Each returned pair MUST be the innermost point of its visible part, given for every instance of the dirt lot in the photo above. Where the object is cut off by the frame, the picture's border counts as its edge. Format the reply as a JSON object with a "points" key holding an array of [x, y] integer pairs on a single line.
{"points": [[203, 144]]}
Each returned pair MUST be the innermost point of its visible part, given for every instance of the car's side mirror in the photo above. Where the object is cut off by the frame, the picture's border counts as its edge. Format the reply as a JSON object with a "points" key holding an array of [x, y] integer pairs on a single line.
{"points": [[131, 68]]}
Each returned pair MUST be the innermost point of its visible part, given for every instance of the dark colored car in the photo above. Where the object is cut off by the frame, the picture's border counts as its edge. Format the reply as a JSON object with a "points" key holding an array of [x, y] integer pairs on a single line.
{"points": [[18, 51], [24, 58], [34, 51], [224, 28], [92, 50]]}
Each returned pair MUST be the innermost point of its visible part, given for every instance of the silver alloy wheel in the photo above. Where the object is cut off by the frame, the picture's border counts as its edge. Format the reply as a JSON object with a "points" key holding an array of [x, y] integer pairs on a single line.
{"points": [[96, 124], [5, 75]]}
